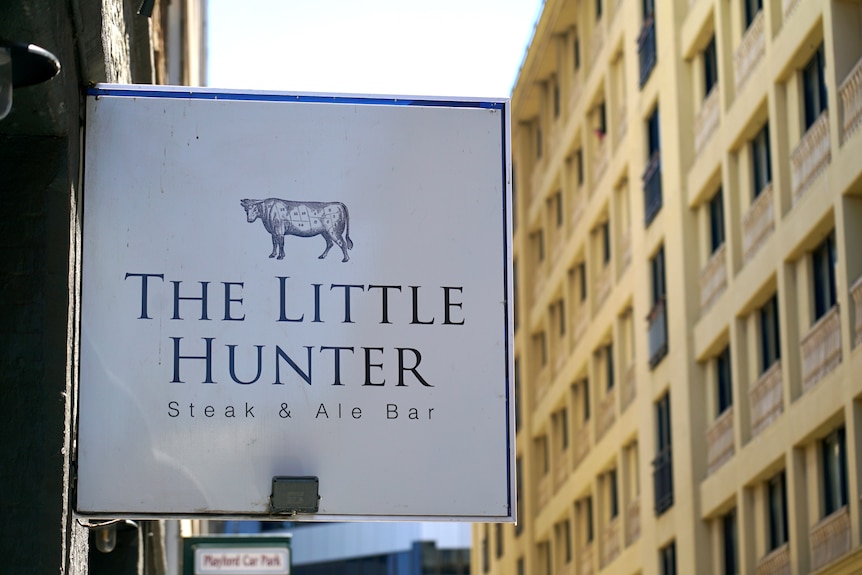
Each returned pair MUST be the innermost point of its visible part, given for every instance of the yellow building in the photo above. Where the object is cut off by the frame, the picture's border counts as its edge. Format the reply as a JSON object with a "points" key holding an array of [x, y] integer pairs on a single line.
{"points": [[688, 251]]}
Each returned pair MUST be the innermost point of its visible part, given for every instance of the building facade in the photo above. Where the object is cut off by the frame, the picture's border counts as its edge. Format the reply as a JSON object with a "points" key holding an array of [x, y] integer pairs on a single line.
{"points": [[688, 190]]}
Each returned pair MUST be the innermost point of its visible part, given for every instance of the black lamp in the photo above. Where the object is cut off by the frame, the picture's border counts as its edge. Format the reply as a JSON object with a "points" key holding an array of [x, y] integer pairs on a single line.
{"points": [[23, 65]]}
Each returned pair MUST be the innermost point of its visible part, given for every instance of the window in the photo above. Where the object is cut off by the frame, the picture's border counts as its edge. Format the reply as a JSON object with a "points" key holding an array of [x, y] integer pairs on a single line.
{"points": [[538, 140], [658, 285], [609, 366], [576, 51], [646, 41], [663, 463], [823, 260], [710, 67], [601, 116], [716, 221], [563, 534], [598, 10], [558, 209], [613, 496], [584, 508], [560, 421], [537, 241], [777, 500], [814, 88], [653, 136], [582, 274], [752, 9], [560, 307], [520, 567], [498, 536], [652, 174], [606, 242], [770, 344], [834, 451], [579, 162], [729, 543], [486, 554], [724, 392], [760, 160], [667, 559], [541, 348], [584, 392]]}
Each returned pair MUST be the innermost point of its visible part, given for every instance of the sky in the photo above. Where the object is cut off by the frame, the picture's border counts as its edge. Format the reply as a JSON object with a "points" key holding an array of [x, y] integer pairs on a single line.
{"points": [[459, 48]]}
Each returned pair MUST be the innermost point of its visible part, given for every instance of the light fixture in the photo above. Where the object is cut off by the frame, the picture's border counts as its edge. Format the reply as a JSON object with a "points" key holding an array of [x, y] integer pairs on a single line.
{"points": [[23, 65], [106, 537]]}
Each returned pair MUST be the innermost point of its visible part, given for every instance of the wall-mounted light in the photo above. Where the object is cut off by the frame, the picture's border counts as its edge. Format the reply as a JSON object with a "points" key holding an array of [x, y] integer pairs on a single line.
{"points": [[23, 65]]}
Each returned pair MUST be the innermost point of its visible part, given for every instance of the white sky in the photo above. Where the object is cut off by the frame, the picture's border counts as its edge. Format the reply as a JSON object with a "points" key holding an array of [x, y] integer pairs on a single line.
{"points": [[461, 48]]}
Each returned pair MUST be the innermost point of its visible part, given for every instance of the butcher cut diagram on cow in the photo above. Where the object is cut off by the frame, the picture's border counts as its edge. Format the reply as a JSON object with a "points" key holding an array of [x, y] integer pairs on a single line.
{"points": [[304, 219]]}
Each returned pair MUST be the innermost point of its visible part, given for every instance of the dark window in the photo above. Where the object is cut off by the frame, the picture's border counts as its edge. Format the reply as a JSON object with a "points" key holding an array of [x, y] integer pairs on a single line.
{"points": [[579, 159], [586, 395], [667, 559], [663, 463], [555, 90], [823, 260], [486, 553], [538, 241], [710, 67], [561, 317], [576, 52], [770, 344], [729, 543], [564, 429], [498, 536], [658, 285], [777, 497], [613, 497], [588, 518], [646, 42], [652, 173], [567, 541], [517, 394], [602, 118], [582, 274], [814, 87], [598, 9], [606, 243], [542, 344], [760, 160], [653, 137], [648, 9], [752, 8], [520, 567], [558, 207], [716, 221], [609, 365], [546, 551], [724, 395], [834, 450]]}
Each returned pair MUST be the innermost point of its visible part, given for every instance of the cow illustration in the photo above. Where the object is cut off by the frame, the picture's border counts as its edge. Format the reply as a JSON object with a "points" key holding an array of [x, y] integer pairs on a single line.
{"points": [[304, 219]]}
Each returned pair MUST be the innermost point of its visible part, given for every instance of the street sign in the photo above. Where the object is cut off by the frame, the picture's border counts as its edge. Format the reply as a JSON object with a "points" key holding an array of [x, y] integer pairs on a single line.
{"points": [[237, 555], [307, 286]]}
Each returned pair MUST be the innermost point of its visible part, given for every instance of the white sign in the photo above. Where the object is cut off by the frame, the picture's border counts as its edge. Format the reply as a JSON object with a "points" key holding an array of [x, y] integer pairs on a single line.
{"points": [[295, 285], [256, 560]]}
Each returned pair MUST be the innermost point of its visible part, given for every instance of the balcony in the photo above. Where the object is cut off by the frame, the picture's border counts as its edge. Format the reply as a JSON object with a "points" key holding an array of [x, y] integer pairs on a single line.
{"points": [[758, 223], [646, 50], [856, 293], [719, 441], [657, 333], [597, 42], [600, 158], [629, 391], [850, 92], [606, 412], [610, 541], [579, 325], [652, 188], [581, 445], [713, 278], [586, 561], [750, 51], [821, 348], [633, 521], [602, 287], [543, 493], [810, 157], [662, 476], [777, 562], [766, 398], [830, 539], [706, 121]]}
